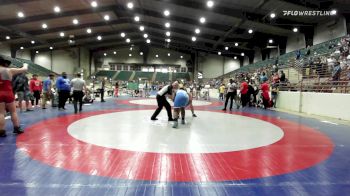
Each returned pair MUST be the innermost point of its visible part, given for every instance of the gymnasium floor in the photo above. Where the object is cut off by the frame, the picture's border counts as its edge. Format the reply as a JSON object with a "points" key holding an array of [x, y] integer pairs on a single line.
{"points": [[113, 148]]}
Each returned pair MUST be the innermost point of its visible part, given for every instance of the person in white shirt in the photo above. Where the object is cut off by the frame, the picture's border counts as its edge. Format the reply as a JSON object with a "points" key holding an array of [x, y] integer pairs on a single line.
{"points": [[162, 102], [231, 93], [78, 87]]}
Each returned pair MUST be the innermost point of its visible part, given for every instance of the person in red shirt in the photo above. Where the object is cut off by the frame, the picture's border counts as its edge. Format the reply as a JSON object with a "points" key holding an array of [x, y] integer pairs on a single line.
{"points": [[265, 88], [36, 87], [276, 78], [244, 93]]}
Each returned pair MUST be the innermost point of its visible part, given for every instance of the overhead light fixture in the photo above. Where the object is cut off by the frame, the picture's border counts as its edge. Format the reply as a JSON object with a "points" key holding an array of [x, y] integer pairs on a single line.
{"points": [[75, 21], [226, 48], [114, 52], [137, 18], [168, 54], [236, 44], [37, 52], [167, 25], [8, 37], [242, 54], [127, 40], [148, 41], [272, 15], [44, 26], [250, 31], [20, 14], [145, 35], [166, 12], [168, 33], [168, 40], [57, 9], [235, 57], [295, 29], [130, 5], [130, 48], [270, 41], [334, 12], [104, 54], [141, 53], [99, 37], [181, 57], [106, 17], [194, 38], [219, 53], [71, 41], [202, 20], [21, 47], [210, 4], [93, 4], [62, 34], [142, 28], [88, 30], [122, 34], [33, 42], [157, 56], [51, 48], [197, 31], [130, 54]]}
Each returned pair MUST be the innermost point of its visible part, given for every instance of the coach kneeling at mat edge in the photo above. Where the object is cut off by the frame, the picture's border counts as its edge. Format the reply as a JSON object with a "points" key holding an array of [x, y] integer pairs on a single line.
{"points": [[161, 100]]}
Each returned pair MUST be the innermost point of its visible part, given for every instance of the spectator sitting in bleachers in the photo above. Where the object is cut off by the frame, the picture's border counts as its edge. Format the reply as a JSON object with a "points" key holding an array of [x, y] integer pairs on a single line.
{"points": [[336, 72]]}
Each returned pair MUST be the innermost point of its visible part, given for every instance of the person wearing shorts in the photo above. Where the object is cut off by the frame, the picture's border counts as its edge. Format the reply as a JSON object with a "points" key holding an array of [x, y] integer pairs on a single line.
{"points": [[21, 89], [7, 98], [181, 100]]}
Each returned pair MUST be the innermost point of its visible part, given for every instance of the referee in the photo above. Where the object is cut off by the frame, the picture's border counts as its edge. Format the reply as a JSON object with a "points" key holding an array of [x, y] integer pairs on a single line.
{"points": [[78, 87], [161, 100]]}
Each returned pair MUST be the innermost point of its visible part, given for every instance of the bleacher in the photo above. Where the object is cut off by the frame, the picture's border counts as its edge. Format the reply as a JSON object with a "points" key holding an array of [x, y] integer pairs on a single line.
{"points": [[162, 77], [32, 67], [143, 75], [105, 73], [124, 75], [179, 76]]}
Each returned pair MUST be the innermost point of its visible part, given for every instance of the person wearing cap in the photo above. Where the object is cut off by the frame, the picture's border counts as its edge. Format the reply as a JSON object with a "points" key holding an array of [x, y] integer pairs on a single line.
{"points": [[47, 92], [162, 102], [63, 88], [36, 87], [7, 98]]}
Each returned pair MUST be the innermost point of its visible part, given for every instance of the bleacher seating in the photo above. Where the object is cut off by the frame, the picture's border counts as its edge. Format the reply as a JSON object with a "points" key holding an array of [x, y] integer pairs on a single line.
{"points": [[105, 73], [143, 75], [124, 75], [178, 76], [162, 77], [32, 67]]}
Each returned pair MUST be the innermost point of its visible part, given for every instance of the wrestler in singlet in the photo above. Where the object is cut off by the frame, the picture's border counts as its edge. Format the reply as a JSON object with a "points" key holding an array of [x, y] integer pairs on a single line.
{"points": [[6, 93]]}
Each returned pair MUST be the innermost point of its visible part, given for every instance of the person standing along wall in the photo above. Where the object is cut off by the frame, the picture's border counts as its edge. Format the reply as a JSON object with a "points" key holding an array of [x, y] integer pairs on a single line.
{"points": [[102, 90], [20, 87]]}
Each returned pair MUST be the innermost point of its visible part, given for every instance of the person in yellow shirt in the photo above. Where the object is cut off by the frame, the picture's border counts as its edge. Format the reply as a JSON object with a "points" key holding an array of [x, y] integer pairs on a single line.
{"points": [[221, 92]]}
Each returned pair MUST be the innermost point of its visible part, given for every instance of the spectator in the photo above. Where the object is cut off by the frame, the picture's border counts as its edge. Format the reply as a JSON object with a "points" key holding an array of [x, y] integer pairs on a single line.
{"points": [[116, 89], [263, 77], [275, 78], [47, 93], [298, 54], [35, 86], [336, 72], [265, 94], [283, 77], [63, 88], [221, 91], [21, 88], [274, 94], [244, 93]]}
